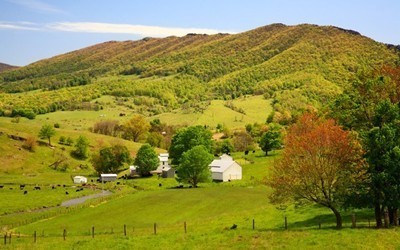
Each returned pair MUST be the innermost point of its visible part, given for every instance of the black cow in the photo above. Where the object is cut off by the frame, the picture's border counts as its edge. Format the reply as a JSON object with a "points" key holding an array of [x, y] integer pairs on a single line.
{"points": [[37, 188], [66, 193], [22, 186], [25, 192]]}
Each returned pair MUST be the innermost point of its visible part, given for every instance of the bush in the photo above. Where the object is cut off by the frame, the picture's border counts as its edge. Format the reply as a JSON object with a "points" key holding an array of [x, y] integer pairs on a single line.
{"points": [[30, 143], [57, 125]]}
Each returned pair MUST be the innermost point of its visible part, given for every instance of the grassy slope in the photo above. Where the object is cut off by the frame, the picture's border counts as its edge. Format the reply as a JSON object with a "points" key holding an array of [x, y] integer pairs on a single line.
{"points": [[209, 212], [256, 109]]}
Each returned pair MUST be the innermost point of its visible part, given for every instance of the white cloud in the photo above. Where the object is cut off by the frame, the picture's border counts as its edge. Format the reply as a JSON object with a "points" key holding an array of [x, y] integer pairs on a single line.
{"points": [[18, 26], [141, 30], [37, 5]]}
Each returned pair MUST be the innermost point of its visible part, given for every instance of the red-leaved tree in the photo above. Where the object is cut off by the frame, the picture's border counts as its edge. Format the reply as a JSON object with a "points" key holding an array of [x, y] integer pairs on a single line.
{"points": [[321, 163]]}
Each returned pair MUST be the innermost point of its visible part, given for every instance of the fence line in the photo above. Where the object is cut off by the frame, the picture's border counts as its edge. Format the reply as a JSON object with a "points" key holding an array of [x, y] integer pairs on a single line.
{"points": [[123, 230]]}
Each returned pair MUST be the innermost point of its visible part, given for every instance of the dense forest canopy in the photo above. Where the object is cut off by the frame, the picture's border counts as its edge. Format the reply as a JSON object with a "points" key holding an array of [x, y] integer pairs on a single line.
{"points": [[300, 67]]}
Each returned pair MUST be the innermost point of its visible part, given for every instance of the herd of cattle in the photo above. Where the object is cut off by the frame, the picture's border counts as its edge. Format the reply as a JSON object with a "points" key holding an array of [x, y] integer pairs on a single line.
{"points": [[23, 187]]}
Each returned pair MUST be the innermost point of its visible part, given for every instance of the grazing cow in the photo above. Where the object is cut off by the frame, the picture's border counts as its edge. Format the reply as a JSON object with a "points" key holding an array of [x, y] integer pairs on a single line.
{"points": [[78, 190], [1, 186], [58, 185], [11, 188], [53, 187], [22, 186], [118, 183], [234, 226], [37, 188], [160, 184], [66, 193], [25, 192], [64, 185]]}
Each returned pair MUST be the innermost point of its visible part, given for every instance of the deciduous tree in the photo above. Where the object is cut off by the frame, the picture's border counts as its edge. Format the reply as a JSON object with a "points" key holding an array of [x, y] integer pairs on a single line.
{"points": [[320, 163], [47, 131], [111, 159], [136, 127], [271, 139], [146, 160], [193, 167], [186, 139]]}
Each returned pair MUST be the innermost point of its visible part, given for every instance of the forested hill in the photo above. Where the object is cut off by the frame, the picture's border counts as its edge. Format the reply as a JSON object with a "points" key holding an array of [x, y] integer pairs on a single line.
{"points": [[4, 67], [304, 63]]}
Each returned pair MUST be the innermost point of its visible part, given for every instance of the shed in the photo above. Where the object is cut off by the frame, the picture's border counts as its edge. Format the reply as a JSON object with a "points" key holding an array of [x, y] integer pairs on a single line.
{"points": [[108, 177], [163, 157], [132, 170], [168, 172], [225, 169], [80, 179]]}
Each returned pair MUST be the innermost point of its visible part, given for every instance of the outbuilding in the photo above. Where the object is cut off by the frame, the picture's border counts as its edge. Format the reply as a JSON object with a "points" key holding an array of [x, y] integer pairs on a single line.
{"points": [[225, 169], [80, 179], [108, 177]]}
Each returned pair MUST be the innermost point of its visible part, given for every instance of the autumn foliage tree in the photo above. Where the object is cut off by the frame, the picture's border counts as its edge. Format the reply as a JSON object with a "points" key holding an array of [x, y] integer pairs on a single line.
{"points": [[136, 127], [321, 163]]}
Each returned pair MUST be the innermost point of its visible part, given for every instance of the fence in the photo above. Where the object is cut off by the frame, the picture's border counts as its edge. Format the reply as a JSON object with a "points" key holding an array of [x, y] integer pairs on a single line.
{"points": [[130, 231]]}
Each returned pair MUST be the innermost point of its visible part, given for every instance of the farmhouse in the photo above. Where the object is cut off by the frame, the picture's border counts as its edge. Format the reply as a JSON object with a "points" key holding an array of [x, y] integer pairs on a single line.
{"points": [[225, 169], [80, 179], [108, 177], [164, 169]]}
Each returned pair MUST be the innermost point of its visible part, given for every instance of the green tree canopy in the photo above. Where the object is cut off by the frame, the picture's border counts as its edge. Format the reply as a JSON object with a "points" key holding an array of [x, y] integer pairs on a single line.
{"points": [[46, 132], [186, 139], [111, 159], [146, 160], [271, 139], [193, 167], [136, 128], [81, 150]]}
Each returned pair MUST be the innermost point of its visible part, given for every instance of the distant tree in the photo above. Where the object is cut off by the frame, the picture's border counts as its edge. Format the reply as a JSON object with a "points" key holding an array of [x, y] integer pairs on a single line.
{"points": [[136, 127], [46, 132], [62, 140], [146, 160], [225, 147], [193, 167], [81, 150], [111, 159], [187, 138], [271, 139], [155, 139], [242, 141], [321, 163], [69, 141]]}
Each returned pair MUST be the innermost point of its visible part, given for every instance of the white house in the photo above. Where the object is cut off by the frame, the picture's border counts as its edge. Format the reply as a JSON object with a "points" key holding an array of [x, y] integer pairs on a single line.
{"points": [[108, 177], [132, 170], [80, 179], [164, 169], [225, 169]]}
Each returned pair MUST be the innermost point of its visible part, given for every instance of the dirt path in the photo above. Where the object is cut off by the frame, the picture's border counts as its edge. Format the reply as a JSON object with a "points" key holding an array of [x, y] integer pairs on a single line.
{"points": [[81, 200]]}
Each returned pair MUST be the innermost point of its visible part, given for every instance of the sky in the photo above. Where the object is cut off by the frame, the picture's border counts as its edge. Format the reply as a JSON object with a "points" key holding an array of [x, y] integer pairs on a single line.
{"points": [[31, 30]]}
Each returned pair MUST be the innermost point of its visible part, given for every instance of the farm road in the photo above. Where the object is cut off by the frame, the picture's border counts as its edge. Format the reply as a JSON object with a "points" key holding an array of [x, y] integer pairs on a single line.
{"points": [[80, 200]]}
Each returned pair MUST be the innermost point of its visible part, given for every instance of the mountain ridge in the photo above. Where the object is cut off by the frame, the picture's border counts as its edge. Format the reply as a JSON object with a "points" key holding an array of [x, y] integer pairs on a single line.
{"points": [[301, 62]]}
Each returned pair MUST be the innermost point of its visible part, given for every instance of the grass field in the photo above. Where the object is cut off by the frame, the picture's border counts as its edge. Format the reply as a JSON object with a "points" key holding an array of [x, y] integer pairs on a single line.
{"points": [[256, 109]]}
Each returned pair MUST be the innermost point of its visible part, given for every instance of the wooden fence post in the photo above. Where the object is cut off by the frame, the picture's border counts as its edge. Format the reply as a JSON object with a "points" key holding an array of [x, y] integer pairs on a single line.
{"points": [[184, 225], [155, 228], [353, 220], [64, 234], [9, 238], [285, 223], [34, 237], [124, 229], [254, 224], [92, 231], [5, 239], [319, 222]]}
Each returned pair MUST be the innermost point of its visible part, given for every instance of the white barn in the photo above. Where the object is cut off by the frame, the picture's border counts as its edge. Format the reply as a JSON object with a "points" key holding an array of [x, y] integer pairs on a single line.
{"points": [[80, 179], [108, 177], [225, 169]]}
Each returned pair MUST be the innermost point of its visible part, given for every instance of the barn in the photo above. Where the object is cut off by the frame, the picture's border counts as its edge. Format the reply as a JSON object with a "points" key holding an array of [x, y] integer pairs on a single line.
{"points": [[225, 169], [80, 179], [108, 177]]}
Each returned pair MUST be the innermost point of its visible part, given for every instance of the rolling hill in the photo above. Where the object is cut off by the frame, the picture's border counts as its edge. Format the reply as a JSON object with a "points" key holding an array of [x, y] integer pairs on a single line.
{"points": [[5, 67], [297, 66]]}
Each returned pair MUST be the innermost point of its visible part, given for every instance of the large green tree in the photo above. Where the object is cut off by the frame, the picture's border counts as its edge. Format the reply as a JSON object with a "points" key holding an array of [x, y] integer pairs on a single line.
{"points": [[193, 167], [111, 159], [46, 132], [271, 139], [371, 106], [186, 139], [146, 160], [81, 150]]}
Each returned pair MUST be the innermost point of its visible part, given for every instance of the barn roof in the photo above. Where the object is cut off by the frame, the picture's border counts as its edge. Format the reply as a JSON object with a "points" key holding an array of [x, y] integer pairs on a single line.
{"points": [[221, 164]]}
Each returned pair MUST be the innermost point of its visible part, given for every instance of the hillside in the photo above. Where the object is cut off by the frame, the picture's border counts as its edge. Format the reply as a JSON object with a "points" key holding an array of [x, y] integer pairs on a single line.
{"points": [[5, 67], [297, 66]]}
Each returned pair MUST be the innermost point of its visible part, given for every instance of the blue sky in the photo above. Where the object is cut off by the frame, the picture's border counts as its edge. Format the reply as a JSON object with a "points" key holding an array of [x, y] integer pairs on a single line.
{"points": [[31, 30]]}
